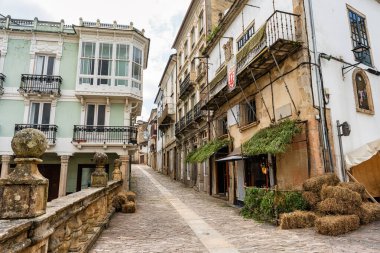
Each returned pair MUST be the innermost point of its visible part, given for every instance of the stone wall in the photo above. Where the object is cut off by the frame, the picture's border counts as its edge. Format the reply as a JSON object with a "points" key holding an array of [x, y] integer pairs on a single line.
{"points": [[71, 223]]}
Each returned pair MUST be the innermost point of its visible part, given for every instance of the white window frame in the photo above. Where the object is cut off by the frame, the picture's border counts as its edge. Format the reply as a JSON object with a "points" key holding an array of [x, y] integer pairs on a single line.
{"points": [[46, 63], [96, 114], [40, 113]]}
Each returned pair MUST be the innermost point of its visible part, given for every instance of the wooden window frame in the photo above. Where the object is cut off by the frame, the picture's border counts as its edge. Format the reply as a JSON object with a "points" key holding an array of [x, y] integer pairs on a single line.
{"points": [[371, 110]]}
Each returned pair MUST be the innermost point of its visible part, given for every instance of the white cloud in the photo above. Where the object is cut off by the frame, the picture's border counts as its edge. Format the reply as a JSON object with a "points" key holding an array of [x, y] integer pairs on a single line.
{"points": [[160, 19]]}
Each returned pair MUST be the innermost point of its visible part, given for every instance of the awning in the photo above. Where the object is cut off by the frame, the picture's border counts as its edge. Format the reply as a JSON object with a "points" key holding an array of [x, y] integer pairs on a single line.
{"points": [[204, 152], [271, 140], [233, 156], [362, 154]]}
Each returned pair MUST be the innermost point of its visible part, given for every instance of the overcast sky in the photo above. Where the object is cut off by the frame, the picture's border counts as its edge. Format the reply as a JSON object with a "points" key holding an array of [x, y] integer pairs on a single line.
{"points": [[160, 19]]}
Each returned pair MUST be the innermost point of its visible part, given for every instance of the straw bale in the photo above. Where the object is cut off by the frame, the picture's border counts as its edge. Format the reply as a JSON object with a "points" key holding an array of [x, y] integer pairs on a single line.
{"points": [[341, 194], [315, 184], [336, 206], [337, 225], [297, 219], [118, 201], [311, 198], [129, 207], [369, 212], [131, 196], [356, 187]]}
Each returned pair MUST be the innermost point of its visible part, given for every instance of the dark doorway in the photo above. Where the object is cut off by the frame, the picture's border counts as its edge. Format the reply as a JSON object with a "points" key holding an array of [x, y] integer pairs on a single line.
{"points": [[254, 175], [51, 172], [222, 178], [84, 175]]}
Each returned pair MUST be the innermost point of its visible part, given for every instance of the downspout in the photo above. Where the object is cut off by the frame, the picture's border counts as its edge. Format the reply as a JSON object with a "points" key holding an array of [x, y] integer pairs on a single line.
{"points": [[323, 124]]}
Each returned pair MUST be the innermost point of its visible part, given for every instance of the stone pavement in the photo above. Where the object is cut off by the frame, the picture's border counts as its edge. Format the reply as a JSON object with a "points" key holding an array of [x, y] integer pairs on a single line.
{"points": [[172, 218]]}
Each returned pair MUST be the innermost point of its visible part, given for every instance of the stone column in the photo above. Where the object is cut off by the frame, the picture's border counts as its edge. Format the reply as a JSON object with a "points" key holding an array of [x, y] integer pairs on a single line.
{"points": [[99, 177], [24, 192], [5, 159], [117, 174], [125, 171], [63, 175]]}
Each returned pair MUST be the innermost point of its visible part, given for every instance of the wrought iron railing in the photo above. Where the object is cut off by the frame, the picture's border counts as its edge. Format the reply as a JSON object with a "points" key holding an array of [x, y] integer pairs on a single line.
{"points": [[198, 113], [184, 86], [105, 134], [50, 131], [189, 117], [2, 79], [40, 84]]}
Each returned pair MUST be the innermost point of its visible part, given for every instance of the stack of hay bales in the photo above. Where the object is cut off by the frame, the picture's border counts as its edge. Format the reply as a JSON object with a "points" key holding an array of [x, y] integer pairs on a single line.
{"points": [[125, 202], [337, 207]]}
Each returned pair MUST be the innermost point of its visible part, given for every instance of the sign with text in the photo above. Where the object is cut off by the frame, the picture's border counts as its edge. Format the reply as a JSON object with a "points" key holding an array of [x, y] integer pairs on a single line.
{"points": [[231, 74]]}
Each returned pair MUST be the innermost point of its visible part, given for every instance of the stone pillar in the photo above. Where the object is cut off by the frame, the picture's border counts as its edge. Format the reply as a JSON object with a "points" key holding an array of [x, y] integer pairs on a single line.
{"points": [[63, 175], [117, 175], [5, 159], [99, 177], [24, 192], [125, 171]]}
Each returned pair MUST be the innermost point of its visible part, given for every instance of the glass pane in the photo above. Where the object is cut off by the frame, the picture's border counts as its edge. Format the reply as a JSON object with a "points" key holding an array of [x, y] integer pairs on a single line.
{"points": [[87, 66], [90, 115], [46, 113], [122, 52], [122, 82], [121, 68], [101, 115], [86, 80], [34, 113], [86, 177], [50, 66], [104, 68], [105, 51], [136, 71], [39, 70], [88, 49], [137, 55]]}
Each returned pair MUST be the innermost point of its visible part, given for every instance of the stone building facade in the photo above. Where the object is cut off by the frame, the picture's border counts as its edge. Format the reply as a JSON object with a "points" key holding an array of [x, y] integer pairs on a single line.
{"points": [[79, 84]]}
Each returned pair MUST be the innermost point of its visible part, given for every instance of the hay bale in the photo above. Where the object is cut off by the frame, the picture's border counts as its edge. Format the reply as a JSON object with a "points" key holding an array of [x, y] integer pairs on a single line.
{"points": [[336, 206], [129, 207], [297, 219], [337, 225], [341, 194], [118, 201], [356, 187], [369, 212], [311, 198], [315, 184], [131, 196]]}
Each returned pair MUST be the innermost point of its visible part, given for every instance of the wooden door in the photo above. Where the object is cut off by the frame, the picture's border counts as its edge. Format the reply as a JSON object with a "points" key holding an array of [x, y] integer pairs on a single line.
{"points": [[51, 172]]}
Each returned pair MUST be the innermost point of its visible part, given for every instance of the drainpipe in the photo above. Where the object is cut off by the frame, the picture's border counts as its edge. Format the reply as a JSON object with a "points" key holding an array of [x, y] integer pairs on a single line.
{"points": [[325, 141]]}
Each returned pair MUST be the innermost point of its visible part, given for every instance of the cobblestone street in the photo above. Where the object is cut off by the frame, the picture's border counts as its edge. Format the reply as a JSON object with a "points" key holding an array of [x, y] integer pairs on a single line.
{"points": [[172, 218]]}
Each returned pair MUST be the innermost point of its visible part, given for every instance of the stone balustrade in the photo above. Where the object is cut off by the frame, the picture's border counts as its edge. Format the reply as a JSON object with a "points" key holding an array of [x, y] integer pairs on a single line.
{"points": [[71, 223]]}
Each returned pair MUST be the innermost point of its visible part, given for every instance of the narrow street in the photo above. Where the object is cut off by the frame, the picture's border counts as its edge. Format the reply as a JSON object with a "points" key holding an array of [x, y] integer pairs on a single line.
{"points": [[172, 218]]}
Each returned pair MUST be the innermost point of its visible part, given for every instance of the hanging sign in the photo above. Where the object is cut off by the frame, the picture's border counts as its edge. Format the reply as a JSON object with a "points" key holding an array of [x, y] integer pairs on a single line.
{"points": [[231, 74]]}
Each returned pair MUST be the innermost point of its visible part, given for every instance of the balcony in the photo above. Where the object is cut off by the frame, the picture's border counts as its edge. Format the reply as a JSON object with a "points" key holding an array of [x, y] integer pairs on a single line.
{"points": [[40, 84], [50, 131], [2, 79], [273, 42], [201, 70], [167, 117], [199, 114], [187, 85], [106, 135]]}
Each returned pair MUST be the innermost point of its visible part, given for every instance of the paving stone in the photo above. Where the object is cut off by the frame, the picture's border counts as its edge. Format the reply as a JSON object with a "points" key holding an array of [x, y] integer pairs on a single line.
{"points": [[158, 227]]}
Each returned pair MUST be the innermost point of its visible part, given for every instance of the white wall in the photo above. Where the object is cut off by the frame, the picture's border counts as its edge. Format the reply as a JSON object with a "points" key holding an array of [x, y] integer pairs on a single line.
{"points": [[334, 38]]}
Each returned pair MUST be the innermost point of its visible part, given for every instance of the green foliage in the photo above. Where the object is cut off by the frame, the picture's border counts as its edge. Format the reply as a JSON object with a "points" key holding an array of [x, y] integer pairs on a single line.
{"points": [[207, 150], [271, 140], [212, 34], [265, 205]]}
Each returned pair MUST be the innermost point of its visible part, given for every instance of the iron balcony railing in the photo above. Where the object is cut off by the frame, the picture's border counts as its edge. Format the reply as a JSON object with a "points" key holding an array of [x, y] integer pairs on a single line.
{"points": [[40, 84], [2, 79], [50, 131], [184, 86], [189, 117], [105, 134], [198, 113]]}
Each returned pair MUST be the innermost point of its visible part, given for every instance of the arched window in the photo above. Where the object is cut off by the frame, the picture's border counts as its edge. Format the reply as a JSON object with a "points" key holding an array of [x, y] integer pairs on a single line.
{"points": [[362, 91]]}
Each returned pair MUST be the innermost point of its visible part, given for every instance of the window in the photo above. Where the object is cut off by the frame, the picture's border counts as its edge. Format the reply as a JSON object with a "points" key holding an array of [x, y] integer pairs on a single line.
{"points": [[246, 36], [180, 60], [222, 126], [40, 113], [87, 64], [200, 23], [359, 37], [44, 65], [122, 64], [248, 112], [137, 63], [192, 38], [186, 49], [362, 90], [105, 63], [192, 101], [95, 115]]}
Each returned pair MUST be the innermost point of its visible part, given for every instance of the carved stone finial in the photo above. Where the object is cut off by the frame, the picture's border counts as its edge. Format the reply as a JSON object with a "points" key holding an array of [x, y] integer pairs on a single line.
{"points": [[99, 177], [228, 50], [30, 143], [100, 159], [117, 175]]}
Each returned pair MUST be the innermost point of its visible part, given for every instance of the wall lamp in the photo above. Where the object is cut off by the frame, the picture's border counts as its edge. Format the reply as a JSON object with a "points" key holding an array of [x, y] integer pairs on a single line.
{"points": [[359, 49]]}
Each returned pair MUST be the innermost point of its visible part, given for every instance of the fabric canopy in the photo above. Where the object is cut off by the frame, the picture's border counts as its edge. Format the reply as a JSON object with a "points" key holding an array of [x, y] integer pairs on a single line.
{"points": [[271, 140], [233, 156], [204, 152], [362, 154]]}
